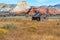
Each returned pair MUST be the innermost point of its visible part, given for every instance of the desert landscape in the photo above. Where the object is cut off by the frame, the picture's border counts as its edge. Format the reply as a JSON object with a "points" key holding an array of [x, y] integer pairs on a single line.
{"points": [[21, 21], [20, 29]]}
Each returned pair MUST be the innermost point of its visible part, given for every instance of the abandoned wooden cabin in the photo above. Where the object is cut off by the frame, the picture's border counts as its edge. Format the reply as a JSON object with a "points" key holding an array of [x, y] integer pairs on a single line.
{"points": [[36, 17]]}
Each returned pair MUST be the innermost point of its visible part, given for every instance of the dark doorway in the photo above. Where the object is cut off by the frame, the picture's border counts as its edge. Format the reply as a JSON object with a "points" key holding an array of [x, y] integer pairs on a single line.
{"points": [[36, 18]]}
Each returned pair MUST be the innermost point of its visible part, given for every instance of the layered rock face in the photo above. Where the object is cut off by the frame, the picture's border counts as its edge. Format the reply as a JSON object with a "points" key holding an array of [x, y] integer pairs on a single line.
{"points": [[52, 11], [21, 7], [5, 7]]}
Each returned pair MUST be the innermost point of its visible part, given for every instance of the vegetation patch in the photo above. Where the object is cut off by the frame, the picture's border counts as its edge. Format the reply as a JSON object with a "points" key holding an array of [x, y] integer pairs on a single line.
{"points": [[3, 31], [33, 27], [10, 26]]}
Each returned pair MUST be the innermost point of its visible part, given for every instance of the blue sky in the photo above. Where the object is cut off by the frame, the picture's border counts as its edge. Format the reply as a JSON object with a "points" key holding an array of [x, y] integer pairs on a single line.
{"points": [[33, 2]]}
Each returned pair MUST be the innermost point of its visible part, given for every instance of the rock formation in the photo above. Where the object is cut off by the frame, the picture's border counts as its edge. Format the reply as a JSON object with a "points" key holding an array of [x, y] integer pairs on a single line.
{"points": [[21, 7], [52, 11]]}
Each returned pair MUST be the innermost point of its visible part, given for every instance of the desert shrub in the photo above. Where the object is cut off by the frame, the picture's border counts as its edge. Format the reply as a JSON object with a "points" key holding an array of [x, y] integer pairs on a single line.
{"points": [[33, 27], [3, 31], [10, 26], [26, 15]]}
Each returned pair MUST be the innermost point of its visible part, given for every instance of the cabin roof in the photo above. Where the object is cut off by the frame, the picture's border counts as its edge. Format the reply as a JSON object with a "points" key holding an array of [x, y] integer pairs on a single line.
{"points": [[37, 15]]}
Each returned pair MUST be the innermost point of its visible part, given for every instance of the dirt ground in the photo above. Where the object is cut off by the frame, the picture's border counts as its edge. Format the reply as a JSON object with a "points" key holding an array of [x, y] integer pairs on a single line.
{"points": [[31, 30]]}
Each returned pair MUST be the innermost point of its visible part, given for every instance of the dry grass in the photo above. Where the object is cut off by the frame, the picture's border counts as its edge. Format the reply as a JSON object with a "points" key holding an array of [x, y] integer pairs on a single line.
{"points": [[49, 30]]}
